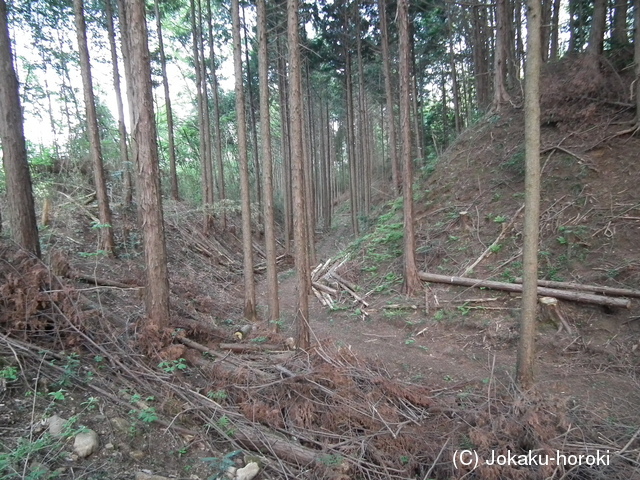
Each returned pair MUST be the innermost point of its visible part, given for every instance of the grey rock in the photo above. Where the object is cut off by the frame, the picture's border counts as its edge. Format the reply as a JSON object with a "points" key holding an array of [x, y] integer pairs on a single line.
{"points": [[56, 425], [86, 443], [248, 472], [148, 476]]}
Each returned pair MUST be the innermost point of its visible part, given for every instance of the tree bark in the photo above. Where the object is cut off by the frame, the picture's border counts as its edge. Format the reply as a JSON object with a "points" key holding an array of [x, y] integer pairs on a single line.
{"points": [[265, 135], [105, 229], [500, 95], [411, 279], [598, 27], [173, 175], [247, 248], [149, 194], [526, 344], [22, 215], [299, 201]]}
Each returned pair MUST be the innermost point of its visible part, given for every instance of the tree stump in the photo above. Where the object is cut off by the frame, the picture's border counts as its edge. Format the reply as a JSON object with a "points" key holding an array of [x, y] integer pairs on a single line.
{"points": [[551, 311]]}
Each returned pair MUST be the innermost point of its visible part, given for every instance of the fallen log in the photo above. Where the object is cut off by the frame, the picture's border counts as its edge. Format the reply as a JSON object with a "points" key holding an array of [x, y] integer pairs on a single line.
{"points": [[102, 282], [250, 347], [616, 292], [515, 287]]}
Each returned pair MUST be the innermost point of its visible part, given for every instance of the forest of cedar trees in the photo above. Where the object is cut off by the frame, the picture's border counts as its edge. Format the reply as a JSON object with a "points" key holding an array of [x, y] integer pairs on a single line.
{"points": [[238, 232]]}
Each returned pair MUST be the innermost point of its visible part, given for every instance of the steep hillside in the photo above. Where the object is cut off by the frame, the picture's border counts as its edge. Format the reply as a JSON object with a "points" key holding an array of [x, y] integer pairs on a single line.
{"points": [[394, 387]]}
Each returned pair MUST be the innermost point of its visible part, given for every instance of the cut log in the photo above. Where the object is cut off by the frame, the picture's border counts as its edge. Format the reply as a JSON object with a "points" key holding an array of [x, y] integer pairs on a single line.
{"points": [[250, 347], [515, 287], [615, 292]]}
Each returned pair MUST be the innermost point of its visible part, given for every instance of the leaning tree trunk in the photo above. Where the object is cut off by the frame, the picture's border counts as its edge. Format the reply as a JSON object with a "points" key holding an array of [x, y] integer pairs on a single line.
{"points": [[105, 228], [22, 215], [247, 247]]}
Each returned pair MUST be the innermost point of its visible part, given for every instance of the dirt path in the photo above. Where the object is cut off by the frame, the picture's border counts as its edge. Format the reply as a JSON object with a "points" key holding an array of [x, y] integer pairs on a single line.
{"points": [[454, 347]]}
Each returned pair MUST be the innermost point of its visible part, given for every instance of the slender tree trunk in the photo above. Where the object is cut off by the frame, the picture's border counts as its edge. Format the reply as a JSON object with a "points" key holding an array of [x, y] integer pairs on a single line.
{"points": [[216, 117], [303, 333], [619, 35], [149, 194], [127, 192], [286, 148], [411, 279], [555, 30], [545, 27], [636, 58], [526, 344], [453, 73], [206, 126], [93, 131], [22, 215], [252, 122], [173, 175], [265, 134], [391, 127], [247, 247], [351, 154]]}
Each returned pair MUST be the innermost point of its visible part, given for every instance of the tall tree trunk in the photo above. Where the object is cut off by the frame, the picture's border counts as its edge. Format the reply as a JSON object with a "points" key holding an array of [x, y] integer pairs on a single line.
{"points": [[105, 228], [480, 55], [216, 116], [351, 153], [411, 280], [500, 95], [619, 35], [555, 31], [247, 247], [545, 27], [526, 344], [173, 175], [454, 76], [286, 147], [391, 127], [598, 27], [206, 126], [149, 194], [636, 57], [22, 215], [252, 121], [127, 191], [303, 333], [265, 134]]}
